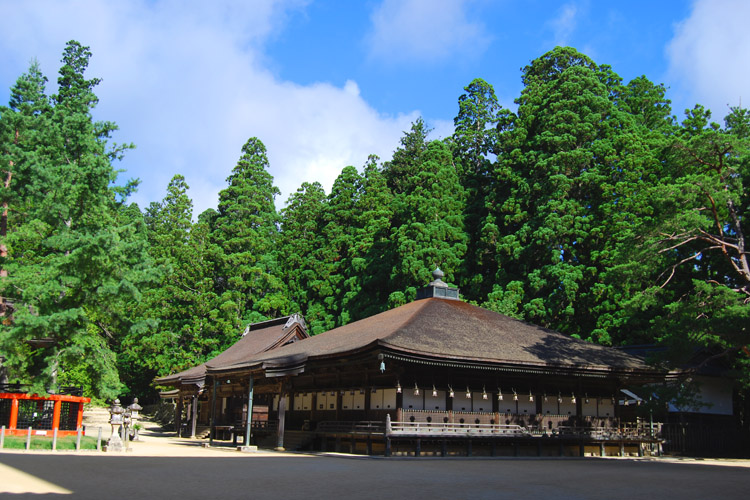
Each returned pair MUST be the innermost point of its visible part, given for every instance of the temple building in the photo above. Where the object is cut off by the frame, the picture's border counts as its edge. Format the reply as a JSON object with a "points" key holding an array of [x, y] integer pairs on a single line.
{"points": [[436, 376], [190, 385]]}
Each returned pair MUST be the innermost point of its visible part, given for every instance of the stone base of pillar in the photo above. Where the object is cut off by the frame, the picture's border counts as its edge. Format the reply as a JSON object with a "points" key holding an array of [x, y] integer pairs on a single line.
{"points": [[247, 449], [280, 448]]}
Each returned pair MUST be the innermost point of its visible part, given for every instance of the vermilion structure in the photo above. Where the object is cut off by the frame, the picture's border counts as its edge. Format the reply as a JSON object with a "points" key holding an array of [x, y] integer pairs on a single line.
{"points": [[43, 414]]}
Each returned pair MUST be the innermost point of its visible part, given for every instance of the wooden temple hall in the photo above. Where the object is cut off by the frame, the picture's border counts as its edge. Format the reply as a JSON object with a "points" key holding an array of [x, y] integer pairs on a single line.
{"points": [[436, 376]]}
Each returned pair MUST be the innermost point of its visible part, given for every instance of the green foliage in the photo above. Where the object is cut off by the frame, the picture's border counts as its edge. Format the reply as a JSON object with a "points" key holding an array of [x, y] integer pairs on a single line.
{"points": [[74, 257], [590, 211], [244, 240]]}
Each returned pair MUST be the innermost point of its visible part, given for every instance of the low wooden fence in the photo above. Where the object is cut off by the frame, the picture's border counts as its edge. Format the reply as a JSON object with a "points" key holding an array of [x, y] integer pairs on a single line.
{"points": [[45, 415]]}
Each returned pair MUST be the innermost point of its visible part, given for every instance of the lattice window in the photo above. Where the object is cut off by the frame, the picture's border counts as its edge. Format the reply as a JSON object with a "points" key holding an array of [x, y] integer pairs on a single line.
{"points": [[35, 414], [68, 416], [5, 405]]}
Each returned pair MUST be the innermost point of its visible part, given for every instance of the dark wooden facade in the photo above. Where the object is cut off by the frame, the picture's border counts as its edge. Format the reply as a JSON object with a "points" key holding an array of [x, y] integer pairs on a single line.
{"points": [[436, 376]]}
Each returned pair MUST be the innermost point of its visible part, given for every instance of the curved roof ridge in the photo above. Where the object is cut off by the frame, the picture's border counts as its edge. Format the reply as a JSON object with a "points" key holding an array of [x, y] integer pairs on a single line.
{"points": [[340, 339]]}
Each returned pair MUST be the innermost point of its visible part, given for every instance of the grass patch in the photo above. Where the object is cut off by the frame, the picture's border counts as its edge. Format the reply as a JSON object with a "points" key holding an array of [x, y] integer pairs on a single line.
{"points": [[45, 443]]}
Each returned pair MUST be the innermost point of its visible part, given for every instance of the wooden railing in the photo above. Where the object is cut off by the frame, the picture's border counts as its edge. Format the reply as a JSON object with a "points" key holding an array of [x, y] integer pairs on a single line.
{"points": [[440, 429], [478, 430], [360, 427]]}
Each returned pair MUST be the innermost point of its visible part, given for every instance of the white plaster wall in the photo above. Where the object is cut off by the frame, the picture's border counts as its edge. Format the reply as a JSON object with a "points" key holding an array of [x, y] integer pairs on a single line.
{"points": [[434, 402], [480, 404], [461, 402], [307, 398], [412, 402], [715, 394], [347, 400], [507, 405], [376, 400], [549, 407], [358, 401], [326, 400], [526, 407], [606, 408], [589, 409], [567, 407], [389, 399], [384, 399]]}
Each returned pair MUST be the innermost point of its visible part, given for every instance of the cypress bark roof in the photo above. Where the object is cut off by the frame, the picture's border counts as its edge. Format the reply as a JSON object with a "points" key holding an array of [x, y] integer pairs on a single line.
{"points": [[450, 331], [258, 338]]}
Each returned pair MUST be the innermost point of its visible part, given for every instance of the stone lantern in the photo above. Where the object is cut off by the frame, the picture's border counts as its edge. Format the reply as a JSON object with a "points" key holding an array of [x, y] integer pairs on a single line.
{"points": [[116, 420], [134, 409]]}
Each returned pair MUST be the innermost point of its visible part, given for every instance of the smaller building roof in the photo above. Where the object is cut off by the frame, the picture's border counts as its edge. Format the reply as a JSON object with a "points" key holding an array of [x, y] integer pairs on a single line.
{"points": [[257, 338]]}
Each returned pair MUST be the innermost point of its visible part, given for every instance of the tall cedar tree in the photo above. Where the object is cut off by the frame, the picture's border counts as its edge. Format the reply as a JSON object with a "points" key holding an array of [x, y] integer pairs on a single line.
{"points": [[562, 160], [245, 238], [181, 333], [430, 231], [74, 258], [301, 221]]}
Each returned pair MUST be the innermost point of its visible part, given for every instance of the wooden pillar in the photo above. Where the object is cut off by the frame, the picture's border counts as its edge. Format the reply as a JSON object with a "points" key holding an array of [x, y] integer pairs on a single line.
{"points": [[249, 420], [418, 448], [13, 414], [56, 415], [369, 444], [339, 401], [282, 416], [468, 447], [368, 403], [212, 429], [622, 449], [601, 449], [79, 417], [444, 448], [387, 447], [194, 420], [178, 415]]}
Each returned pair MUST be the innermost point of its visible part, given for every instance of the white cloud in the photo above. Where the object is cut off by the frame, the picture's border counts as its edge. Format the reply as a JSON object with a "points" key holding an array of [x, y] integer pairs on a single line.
{"points": [[709, 56], [187, 84], [424, 31], [564, 24]]}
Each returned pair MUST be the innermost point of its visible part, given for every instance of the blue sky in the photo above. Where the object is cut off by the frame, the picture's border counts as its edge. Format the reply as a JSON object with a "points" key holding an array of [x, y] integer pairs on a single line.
{"points": [[325, 83]]}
